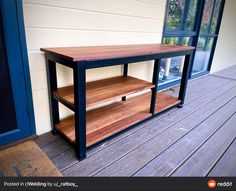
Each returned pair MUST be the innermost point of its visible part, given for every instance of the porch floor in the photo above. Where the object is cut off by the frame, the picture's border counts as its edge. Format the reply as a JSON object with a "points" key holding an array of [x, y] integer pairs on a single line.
{"points": [[196, 140]]}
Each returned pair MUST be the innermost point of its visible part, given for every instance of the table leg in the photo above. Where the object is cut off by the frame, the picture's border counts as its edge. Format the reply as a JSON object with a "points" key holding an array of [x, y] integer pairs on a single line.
{"points": [[155, 79], [184, 79], [52, 85], [80, 111], [125, 73]]}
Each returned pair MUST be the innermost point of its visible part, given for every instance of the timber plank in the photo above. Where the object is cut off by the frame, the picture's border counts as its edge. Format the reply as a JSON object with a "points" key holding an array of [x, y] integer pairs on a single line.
{"points": [[101, 91], [226, 166], [202, 161], [140, 144], [67, 157], [46, 139], [205, 87], [108, 120], [227, 73], [56, 147], [199, 87], [167, 162], [91, 53]]}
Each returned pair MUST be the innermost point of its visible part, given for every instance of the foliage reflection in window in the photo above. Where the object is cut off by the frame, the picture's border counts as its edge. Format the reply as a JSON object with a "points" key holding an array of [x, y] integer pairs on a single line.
{"points": [[181, 15]]}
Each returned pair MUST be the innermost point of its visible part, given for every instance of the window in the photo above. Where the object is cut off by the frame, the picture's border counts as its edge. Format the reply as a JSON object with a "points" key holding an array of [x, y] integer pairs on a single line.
{"points": [[207, 35], [190, 22]]}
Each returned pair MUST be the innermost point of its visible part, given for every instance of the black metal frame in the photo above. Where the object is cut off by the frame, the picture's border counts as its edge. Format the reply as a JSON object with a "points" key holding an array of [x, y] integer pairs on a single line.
{"points": [[80, 111], [125, 73], [52, 85], [79, 72], [155, 78]]}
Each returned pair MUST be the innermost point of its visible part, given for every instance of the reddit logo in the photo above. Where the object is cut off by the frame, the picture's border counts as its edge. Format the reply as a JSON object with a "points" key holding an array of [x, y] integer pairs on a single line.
{"points": [[211, 183]]}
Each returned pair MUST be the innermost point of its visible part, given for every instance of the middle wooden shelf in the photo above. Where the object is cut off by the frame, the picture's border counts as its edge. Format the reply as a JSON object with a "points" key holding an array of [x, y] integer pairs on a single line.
{"points": [[101, 91]]}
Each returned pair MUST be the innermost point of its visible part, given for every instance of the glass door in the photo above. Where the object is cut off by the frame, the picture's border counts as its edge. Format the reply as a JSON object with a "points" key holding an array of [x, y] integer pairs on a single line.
{"points": [[207, 35], [195, 23], [179, 29]]}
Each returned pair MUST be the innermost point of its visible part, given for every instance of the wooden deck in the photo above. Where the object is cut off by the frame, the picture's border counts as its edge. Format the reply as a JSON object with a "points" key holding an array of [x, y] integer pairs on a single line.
{"points": [[197, 140]]}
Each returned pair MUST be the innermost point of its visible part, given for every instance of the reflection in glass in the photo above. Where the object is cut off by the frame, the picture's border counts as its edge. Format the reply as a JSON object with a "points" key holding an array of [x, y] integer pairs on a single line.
{"points": [[192, 8], [215, 17], [202, 56], [175, 14], [208, 7], [171, 68], [181, 15]]}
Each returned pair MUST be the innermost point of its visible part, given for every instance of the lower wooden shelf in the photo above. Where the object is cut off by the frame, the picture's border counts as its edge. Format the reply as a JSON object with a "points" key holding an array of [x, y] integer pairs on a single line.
{"points": [[108, 120]]}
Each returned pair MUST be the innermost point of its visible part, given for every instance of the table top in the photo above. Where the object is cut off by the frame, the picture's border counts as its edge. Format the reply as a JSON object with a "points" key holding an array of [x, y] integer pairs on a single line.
{"points": [[91, 53]]}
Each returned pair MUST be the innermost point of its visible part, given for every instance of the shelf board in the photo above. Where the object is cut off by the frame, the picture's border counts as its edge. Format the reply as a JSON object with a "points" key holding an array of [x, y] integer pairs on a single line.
{"points": [[108, 120], [103, 90], [91, 53]]}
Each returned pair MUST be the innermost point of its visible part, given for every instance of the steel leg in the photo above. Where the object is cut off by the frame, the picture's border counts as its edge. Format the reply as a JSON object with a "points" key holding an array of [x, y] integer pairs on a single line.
{"points": [[184, 80], [80, 111], [52, 85], [155, 79], [125, 73]]}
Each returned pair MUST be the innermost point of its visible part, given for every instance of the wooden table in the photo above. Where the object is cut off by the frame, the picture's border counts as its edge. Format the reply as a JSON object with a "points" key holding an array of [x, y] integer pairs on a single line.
{"points": [[85, 129]]}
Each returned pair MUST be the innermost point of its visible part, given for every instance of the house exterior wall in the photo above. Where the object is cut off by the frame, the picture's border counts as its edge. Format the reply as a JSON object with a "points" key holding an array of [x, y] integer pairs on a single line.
{"points": [[57, 23], [225, 55]]}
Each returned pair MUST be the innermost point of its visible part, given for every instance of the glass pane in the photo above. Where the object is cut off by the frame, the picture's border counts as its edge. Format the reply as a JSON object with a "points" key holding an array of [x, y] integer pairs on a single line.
{"points": [[202, 56], [175, 14], [215, 16], [181, 15], [208, 7], [171, 68], [191, 15], [171, 40]]}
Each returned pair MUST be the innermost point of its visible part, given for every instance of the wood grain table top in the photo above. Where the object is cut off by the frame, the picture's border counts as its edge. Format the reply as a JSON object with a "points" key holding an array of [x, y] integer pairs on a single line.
{"points": [[91, 53]]}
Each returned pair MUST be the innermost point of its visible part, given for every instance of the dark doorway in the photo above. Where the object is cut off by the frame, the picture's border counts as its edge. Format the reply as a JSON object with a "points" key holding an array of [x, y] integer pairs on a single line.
{"points": [[7, 109]]}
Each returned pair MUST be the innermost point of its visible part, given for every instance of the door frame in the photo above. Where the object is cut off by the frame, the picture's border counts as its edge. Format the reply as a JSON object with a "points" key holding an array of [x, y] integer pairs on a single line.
{"points": [[16, 49]]}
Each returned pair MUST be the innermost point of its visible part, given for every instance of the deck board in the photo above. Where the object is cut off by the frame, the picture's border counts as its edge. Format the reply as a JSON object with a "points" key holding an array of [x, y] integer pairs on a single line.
{"points": [[147, 152], [166, 163], [56, 147], [203, 160], [229, 73], [226, 166], [46, 139], [207, 98]]}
